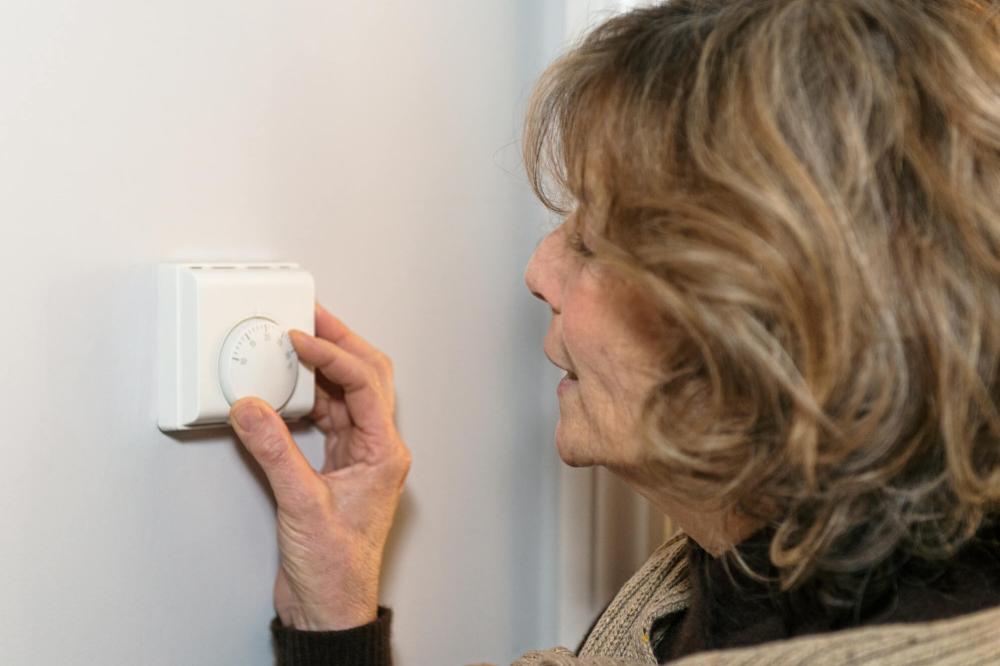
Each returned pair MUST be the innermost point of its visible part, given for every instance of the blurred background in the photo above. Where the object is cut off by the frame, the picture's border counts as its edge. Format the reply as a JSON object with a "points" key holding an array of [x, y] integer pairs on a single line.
{"points": [[375, 142]]}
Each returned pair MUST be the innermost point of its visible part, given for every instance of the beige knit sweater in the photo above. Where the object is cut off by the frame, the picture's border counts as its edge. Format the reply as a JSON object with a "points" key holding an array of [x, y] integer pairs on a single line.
{"points": [[660, 587]]}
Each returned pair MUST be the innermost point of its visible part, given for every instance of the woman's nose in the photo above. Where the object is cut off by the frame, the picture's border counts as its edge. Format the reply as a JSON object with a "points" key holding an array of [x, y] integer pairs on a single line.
{"points": [[542, 276]]}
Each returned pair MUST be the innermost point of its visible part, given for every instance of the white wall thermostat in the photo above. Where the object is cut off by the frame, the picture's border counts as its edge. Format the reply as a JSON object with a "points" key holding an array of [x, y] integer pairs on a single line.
{"points": [[223, 335]]}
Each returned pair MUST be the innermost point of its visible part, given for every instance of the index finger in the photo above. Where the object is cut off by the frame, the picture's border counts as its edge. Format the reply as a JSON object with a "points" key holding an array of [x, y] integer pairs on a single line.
{"points": [[363, 394]]}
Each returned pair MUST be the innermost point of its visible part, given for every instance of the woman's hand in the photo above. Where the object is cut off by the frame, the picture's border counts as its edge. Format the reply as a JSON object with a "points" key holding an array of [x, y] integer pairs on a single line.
{"points": [[332, 524]]}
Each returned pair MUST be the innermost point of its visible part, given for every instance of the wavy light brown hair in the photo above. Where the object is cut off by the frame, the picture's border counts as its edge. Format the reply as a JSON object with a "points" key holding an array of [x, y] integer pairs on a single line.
{"points": [[810, 193]]}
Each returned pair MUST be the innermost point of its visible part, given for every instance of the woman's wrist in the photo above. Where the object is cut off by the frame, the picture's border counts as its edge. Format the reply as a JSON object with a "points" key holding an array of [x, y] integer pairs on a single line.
{"points": [[319, 619]]}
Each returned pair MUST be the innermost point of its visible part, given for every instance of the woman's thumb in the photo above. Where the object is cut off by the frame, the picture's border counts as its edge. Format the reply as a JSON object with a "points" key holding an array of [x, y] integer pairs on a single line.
{"points": [[266, 437]]}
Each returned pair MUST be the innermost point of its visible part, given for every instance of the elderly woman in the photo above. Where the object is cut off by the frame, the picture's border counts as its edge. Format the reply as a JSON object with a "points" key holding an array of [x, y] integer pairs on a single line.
{"points": [[776, 296]]}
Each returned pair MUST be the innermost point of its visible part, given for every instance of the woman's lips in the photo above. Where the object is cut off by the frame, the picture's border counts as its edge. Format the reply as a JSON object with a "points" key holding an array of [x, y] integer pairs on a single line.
{"points": [[567, 383]]}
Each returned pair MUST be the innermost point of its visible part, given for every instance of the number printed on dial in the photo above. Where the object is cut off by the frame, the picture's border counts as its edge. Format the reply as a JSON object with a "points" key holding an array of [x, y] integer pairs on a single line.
{"points": [[258, 359]]}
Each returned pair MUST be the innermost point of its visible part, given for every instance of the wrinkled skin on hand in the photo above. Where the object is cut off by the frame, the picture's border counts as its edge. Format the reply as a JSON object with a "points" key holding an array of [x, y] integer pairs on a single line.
{"points": [[332, 523]]}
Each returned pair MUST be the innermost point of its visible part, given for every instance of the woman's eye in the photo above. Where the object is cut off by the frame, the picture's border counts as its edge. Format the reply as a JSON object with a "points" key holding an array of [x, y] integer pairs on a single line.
{"points": [[577, 245]]}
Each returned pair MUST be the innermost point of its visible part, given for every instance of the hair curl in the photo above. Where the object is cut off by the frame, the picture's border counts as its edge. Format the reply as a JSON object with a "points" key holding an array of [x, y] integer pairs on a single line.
{"points": [[809, 192]]}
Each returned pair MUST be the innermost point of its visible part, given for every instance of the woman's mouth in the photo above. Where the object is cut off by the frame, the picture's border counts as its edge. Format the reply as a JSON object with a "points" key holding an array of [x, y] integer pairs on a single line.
{"points": [[567, 383]]}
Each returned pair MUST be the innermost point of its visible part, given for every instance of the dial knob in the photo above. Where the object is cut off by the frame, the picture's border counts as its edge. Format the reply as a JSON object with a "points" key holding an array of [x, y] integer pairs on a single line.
{"points": [[258, 359]]}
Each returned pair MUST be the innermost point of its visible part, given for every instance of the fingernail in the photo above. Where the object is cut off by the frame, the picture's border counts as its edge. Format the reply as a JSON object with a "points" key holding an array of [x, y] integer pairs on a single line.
{"points": [[248, 417]]}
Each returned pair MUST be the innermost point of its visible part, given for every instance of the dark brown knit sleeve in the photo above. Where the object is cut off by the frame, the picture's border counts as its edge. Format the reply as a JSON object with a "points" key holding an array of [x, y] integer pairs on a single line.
{"points": [[367, 645]]}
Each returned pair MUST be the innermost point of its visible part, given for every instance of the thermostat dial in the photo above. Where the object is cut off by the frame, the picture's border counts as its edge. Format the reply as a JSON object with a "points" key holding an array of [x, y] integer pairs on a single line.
{"points": [[258, 359]]}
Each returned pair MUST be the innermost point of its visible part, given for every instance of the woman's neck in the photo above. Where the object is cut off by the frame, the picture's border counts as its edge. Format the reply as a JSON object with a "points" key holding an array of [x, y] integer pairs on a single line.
{"points": [[715, 530]]}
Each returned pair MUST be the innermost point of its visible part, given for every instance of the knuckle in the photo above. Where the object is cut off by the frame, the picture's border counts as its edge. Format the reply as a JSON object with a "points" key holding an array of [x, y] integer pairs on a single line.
{"points": [[404, 460], [330, 365], [272, 448]]}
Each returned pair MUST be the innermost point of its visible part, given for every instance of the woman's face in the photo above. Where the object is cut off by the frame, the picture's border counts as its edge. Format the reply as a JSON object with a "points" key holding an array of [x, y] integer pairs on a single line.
{"points": [[604, 337]]}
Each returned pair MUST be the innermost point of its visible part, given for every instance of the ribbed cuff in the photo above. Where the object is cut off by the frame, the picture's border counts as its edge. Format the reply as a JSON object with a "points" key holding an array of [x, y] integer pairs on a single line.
{"points": [[367, 645]]}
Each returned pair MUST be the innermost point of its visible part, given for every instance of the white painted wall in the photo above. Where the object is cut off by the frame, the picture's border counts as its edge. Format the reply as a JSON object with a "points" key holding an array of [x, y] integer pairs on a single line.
{"points": [[375, 143], [580, 15]]}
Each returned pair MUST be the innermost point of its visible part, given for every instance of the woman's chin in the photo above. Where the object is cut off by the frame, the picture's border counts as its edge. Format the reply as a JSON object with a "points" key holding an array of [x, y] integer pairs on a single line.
{"points": [[570, 452], [574, 461]]}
